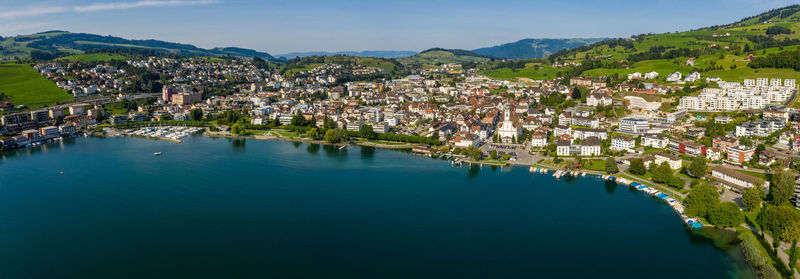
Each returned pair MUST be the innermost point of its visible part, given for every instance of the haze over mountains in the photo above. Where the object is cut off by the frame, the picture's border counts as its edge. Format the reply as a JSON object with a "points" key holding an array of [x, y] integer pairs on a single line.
{"points": [[522, 49], [58, 43], [534, 48]]}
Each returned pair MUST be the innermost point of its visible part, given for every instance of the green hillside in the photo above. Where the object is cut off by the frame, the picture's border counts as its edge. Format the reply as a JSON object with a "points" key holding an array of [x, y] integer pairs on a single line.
{"points": [[437, 56], [92, 58], [27, 87], [299, 64], [719, 51], [53, 44]]}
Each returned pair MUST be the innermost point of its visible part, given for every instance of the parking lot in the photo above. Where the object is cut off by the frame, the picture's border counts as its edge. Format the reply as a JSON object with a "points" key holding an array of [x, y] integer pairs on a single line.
{"points": [[519, 152]]}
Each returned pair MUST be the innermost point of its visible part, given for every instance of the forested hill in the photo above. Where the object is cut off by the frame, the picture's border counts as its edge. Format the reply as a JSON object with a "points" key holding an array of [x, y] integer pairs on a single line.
{"points": [[51, 44], [534, 48]]}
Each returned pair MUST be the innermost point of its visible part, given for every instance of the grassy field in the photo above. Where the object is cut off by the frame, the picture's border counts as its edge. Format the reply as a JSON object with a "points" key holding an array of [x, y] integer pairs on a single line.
{"points": [[596, 165], [432, 58], [92, 58], [533, 71], [27, 87]]}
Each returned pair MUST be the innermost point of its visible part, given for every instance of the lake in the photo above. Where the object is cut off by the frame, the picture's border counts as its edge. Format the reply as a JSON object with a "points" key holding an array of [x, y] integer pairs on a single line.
{"points": [[224, 208]]}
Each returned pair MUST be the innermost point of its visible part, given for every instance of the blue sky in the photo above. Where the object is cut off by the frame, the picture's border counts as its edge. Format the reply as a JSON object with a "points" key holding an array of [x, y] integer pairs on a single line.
{"points": [[285, 26]]}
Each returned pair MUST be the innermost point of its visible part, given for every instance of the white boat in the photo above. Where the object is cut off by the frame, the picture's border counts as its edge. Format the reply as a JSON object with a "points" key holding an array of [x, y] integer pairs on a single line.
{"points": [[157, 154]]}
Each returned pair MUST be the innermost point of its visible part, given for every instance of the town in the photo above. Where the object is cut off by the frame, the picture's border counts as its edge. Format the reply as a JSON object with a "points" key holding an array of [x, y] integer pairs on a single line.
{"points": [[741, 129]]}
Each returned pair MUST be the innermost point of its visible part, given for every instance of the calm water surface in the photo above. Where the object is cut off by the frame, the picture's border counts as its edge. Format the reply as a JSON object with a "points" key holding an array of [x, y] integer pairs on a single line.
{"points": [[224, 208]]}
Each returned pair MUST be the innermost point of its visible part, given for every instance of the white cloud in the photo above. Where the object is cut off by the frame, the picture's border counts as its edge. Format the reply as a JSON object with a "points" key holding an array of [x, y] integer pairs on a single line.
{"points": [[130, 5], [32, 11], [97, 7], [10, 29]]}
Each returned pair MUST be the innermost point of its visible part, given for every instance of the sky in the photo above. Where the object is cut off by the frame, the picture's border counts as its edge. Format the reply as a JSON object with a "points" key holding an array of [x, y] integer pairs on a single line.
{"points": [[279, 27]]}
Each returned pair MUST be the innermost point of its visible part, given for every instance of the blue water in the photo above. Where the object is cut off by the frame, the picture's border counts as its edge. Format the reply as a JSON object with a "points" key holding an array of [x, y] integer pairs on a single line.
{"points": [[222, 208]]}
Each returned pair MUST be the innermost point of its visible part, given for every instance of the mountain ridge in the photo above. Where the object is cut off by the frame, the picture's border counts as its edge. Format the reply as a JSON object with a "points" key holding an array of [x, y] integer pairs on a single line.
{"points": [[534, 47]]}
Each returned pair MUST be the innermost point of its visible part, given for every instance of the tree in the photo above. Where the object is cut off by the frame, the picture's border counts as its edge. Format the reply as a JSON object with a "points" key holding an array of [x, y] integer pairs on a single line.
{"points": [[777, 219], [473, 153], [698, 167], [329, 123], [637, 167], [751, 198], [651, 167], [196, 114], [701, 200], [611, 165], [493, 155], [299, 120], [576, 93], [675, 182], [336, 136], [727, 214], [366, 131], [782, 187], [746, 141], [238, 129], [791, 233], [662, 173], [313, 134]]}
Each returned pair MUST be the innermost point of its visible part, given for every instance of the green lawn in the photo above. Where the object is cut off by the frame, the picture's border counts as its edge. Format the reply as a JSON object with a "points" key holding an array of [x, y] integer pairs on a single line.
{"points": [[761, 175], [27, 87], [596, 165], [92, 58], [533, 71]]}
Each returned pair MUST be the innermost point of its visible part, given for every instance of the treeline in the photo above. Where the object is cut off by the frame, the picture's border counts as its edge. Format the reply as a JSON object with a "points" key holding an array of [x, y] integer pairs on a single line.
{"points": [[762, 42], [784, 59], [776, 30], [781, 12], [133, 52], [396, 137], [662, 52]]}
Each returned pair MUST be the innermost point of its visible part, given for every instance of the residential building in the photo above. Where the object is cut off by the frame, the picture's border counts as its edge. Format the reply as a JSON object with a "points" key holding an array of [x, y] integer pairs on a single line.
{"points": [[740, 154], [633, 125], [655, 140], [734, 179], [622, 143]]}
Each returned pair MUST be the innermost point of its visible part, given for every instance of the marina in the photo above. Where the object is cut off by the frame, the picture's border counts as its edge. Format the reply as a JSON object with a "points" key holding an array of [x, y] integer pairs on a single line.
{"points": [[675, 204], [170, 133]]}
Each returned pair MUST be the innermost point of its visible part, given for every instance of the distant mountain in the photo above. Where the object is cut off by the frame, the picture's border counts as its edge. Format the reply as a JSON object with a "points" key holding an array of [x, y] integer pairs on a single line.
{"points": [[366, 53], [534, 48], [57, 43]]}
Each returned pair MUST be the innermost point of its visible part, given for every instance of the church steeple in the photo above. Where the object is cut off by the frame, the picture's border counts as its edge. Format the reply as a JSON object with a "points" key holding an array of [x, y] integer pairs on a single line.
{"points": [[507, 114]]}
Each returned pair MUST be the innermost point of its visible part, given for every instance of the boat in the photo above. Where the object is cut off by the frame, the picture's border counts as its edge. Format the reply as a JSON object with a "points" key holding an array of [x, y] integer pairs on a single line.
{"points": [[157, 154]]}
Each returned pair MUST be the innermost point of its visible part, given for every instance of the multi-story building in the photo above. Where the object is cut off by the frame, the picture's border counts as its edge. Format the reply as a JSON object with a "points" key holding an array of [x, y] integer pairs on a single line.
{"points": [[686, 147], [740, 154], [633, 125], [539, 139], [658, 158], [760, 128], [723, 142], [734, 179], [655, 140], [622, 143]]}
